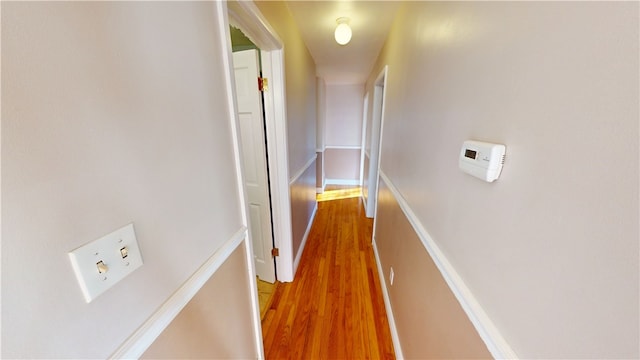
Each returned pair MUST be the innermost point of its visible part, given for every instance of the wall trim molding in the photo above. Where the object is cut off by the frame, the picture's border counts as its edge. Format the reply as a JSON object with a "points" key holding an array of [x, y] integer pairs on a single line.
{"points": [[148, 332], [395, 339], [343, 147], [342, 182], [245, 15], [496, 344], [303, 169], [296, 262]]}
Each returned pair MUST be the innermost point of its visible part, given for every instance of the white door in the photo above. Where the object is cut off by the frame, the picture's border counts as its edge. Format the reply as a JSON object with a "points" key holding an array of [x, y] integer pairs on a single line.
{"points": [[245, 65]]}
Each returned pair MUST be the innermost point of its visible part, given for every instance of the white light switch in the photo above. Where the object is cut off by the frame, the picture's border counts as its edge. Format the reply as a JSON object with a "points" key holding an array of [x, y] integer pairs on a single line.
{"points": [[100, 264]]}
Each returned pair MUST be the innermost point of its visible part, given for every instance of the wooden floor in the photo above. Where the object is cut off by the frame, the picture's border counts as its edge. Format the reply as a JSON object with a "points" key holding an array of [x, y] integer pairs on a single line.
{"points": [[334, 307], [265, 295]]}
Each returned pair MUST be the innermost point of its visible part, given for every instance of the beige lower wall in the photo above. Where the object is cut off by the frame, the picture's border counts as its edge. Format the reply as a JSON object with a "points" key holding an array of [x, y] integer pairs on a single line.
{"points": [[342, 164], [217, 323], [319, 170], [303, 202], [429, 320]]}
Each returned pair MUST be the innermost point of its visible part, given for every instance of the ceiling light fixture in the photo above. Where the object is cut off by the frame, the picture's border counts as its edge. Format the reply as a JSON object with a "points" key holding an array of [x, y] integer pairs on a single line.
{"points": [[343, 31]]}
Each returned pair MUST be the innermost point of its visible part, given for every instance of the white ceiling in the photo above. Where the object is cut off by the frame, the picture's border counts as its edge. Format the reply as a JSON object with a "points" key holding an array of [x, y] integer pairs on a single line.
{"points": [[352, 63]]}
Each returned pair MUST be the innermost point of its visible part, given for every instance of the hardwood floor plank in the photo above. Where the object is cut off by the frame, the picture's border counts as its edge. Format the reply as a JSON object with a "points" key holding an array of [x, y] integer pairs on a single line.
{"points": [[334, 307]]}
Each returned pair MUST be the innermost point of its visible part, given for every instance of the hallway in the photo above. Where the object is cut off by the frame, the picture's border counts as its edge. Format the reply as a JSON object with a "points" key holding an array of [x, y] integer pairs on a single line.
{"points": [[334, 308]]}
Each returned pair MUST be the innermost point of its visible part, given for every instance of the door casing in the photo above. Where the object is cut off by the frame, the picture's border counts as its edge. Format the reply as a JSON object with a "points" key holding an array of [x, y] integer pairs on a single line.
{"points": [[245, 16], [375, 141]]}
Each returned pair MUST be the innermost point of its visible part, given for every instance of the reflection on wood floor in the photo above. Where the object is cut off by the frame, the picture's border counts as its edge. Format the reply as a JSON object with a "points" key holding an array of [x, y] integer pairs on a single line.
{"points": [[334, 308], [265, 295], [339, 192]]}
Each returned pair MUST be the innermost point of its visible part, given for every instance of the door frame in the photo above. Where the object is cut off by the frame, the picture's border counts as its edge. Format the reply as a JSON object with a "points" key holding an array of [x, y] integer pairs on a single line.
{"points": [[363, 141], [247, 17], [377, 126], [260, 226]]}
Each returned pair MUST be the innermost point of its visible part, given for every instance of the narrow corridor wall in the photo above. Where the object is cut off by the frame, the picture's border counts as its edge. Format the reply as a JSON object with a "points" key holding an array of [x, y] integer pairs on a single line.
{"points": [[112, 113], [550, 250]]}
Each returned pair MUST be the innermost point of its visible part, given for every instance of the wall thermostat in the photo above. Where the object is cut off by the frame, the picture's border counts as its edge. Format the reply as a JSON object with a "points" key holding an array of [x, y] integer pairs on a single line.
{"points": [[481, 159]]}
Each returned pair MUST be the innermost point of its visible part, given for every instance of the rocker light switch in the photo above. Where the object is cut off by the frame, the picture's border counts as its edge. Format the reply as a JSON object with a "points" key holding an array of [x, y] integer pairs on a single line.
{"points": [[102, 263]]}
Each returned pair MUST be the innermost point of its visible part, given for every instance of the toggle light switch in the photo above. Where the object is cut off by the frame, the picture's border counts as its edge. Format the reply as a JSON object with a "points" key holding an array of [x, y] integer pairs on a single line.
{"points": [[102, 268], [102, 263]]}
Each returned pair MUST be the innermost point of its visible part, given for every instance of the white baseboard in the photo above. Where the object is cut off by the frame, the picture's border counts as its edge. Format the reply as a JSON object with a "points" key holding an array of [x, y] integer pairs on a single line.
{"points": [[495, 342], [395, 339], [342, 182], [296, 262], [343, 147], [145, 335]]}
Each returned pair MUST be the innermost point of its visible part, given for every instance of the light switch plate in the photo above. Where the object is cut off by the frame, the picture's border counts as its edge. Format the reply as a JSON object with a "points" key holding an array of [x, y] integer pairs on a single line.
{"points": [[108, 250]]}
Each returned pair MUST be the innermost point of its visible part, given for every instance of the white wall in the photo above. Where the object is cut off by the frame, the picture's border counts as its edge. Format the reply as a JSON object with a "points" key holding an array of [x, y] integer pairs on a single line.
{"points": [[113, 112], [344, 115], [343, 132], [550, 250]]}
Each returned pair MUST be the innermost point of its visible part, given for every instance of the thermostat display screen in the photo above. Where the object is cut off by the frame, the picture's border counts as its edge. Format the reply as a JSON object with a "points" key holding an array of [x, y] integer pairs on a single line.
{"points": [[470, 154]]}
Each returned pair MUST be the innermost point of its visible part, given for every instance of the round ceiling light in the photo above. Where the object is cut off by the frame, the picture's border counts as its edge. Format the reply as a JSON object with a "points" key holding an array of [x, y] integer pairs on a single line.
{"points": [[343, 31]]}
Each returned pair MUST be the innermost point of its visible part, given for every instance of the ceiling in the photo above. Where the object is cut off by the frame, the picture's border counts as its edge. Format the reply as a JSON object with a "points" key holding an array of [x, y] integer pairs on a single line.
{"points": [[352, 63]]}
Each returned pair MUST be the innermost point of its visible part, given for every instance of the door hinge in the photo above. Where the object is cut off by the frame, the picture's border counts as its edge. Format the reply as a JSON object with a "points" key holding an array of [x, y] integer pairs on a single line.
{"points": [[263, 84], [275, 252]]}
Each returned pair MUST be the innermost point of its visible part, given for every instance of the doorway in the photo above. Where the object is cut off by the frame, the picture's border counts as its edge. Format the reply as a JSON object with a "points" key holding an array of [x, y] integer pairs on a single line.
{"points": [[246, 66], [364, 153], [254, 154], [250, 102], [244, 15], [373, 145]]}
